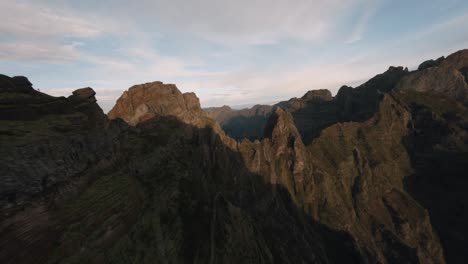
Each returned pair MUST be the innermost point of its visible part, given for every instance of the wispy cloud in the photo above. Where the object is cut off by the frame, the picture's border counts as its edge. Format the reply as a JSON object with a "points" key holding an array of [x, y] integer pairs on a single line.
{"points": [[367, 10], [42, 51], [33, 32], [25, 19], [244, 22]]}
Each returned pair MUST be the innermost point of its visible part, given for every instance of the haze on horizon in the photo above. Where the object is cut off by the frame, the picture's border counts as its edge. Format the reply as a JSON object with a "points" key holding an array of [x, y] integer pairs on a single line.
{"points": [[227, 52]]}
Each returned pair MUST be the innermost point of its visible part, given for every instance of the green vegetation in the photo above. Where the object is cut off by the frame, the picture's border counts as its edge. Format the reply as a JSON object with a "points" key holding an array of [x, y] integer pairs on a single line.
{"points": [[45, 128]]}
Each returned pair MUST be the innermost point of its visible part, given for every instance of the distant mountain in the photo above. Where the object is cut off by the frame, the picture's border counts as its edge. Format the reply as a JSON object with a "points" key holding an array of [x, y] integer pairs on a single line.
{"points": [[315, 110], [245, 123], [376, 174]]}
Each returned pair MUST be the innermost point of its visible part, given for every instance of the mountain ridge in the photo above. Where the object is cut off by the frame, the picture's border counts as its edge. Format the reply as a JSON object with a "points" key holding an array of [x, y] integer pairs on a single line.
{"points": [[330, 180]]}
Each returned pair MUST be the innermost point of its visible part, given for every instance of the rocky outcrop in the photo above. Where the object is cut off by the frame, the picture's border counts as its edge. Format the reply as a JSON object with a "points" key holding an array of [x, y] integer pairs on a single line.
{"points": [[17, 84], [45, 140], [430, 63], [220, 114], [360, 103], [152, 101], [86, 94], [318, 95], [371, 159], [447, 79], [146, 101]]}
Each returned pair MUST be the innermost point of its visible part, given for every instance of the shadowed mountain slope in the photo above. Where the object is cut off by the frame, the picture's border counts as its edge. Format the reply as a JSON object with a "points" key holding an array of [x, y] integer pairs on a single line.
{"points": [[314, 111]]}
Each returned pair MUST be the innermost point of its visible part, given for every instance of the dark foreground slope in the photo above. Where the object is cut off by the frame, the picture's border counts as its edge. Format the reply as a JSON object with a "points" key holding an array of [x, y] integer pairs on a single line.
{"points": [[163, 191], [386, 186]]}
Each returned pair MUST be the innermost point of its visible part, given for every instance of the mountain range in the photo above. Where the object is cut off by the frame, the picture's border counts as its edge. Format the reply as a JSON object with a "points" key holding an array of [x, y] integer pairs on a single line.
{"points": [[374, 174]]}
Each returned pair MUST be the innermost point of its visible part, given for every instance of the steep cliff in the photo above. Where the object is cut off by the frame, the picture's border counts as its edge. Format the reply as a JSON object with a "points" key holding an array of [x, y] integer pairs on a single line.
{"points": [[45, 140]]}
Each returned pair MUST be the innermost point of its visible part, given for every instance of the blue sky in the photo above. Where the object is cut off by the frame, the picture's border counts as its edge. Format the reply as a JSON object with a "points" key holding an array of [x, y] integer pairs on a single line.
{"points": [[228, 52]]}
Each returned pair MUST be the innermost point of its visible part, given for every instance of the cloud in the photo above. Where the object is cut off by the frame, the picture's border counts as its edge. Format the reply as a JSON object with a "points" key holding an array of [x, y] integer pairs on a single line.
{"points": [[41, 51], [280, 83], [368, 9], [241, 22], [24, 19], [246, 86], [33, 32], [456, 22], [435, 40]]}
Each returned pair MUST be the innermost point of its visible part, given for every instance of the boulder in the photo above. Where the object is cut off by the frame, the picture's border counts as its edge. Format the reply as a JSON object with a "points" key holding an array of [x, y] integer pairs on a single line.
{"points": [[85, 94]]}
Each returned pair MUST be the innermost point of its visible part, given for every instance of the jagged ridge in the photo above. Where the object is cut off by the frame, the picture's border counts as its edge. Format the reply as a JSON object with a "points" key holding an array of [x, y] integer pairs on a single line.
{"points": [[172, 187]]}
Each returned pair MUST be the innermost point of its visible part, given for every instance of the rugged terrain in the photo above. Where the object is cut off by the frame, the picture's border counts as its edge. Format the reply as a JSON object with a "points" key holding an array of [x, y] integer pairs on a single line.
{"points": [[376, 174]]}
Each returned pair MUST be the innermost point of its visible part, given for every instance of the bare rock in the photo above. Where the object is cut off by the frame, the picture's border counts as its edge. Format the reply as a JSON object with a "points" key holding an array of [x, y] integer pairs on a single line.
{"points": [[446, 80], [321, 95], [85, 94], [18, 84], [430, 63], [146, 101]]}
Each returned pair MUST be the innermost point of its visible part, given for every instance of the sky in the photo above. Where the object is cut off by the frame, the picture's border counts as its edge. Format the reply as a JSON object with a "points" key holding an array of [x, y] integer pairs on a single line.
{"points": [[227, 52]]}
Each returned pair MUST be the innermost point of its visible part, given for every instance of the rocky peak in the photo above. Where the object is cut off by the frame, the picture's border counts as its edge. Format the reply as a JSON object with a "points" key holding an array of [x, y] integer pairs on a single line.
{"points": [[286, 145], [456, 60], [146, 101], [18, 84], [220, 114], [226, 107], [84, 100], [84, 94], [244, 123], [344, 90], [191, 101], [256, 110], [430, 63], [321, 95], [384, 82], [448, 79], [280, 125], [218, 109]]}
